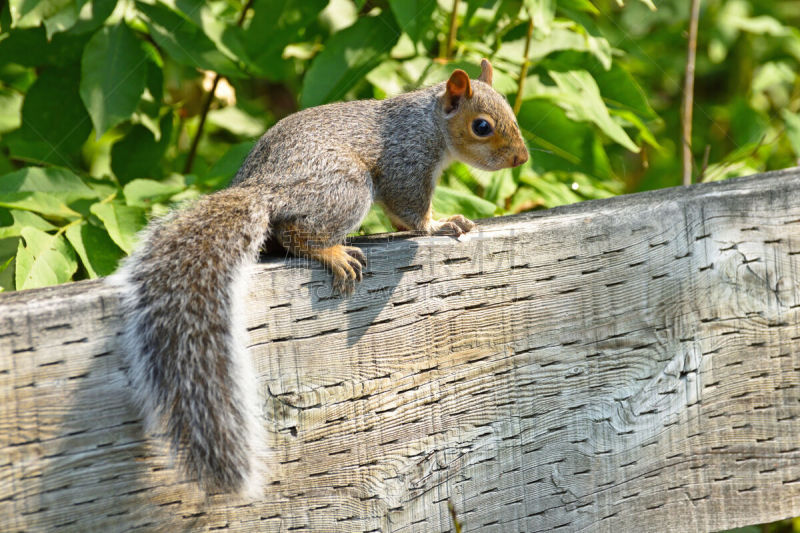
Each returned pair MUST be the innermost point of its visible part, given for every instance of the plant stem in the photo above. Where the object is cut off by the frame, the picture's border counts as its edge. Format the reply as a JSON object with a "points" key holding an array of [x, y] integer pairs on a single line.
{"points": [[523, 71], [187, 168], [451, 36], [688, 93]]}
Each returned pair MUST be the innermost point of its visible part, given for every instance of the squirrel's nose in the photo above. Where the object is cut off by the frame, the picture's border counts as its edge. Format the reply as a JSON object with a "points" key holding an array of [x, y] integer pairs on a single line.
{"points": [[519, 159]]}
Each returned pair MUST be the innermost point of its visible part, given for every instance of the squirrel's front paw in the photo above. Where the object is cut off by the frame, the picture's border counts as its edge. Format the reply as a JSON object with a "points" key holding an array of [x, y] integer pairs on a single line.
{"points": [[454, 226], [347, 268]]}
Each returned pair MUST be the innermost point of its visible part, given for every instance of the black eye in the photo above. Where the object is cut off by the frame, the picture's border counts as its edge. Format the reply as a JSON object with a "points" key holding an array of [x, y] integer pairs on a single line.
{"points": [[481, 127]]}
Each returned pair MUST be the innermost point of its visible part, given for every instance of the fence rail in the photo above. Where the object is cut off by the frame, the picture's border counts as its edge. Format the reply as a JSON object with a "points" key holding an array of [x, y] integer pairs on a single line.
{"points": [[620, 365]]}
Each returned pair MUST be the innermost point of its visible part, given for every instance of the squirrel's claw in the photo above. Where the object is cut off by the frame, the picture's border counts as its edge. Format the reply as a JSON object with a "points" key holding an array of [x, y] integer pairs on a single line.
{"points": [[347, 269], [356, 254], [453, 226]]}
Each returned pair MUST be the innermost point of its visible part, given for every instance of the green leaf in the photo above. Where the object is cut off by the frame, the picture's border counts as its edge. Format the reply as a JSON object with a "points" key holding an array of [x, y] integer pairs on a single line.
{"points": [[501, 187], [542, 12], [275, 24], [226, 166], [57, 182], [552, 191], [580, 97], [32, 13], [447, 201], [413, 16], [748, 126], [348, 56], [39, 202], [184, 41], [31, 47], [558, 143], [376, 221], [5, 265], [644, 132], [138, 154], [144, 193], [92, 15], [617, 87], [19, 220], [97, 251], [122, 223], [10, 110], [792, 122], [387, 79], [8, 252], [43, 260], [579, 5], [569, 36], [54, 122], [113, 71], [237, 121]]}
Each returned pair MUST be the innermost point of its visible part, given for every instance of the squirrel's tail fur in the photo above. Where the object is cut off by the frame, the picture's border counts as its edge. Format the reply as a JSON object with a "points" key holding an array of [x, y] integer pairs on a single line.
{"points": [[183, 294]]}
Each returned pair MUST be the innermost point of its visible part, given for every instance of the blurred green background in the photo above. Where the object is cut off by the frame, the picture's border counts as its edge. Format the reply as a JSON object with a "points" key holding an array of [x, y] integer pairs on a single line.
{"points": [[112, 111]]}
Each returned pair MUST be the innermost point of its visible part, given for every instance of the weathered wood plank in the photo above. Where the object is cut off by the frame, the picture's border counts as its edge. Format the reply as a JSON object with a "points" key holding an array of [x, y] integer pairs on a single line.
{"points": [[610, 366]]}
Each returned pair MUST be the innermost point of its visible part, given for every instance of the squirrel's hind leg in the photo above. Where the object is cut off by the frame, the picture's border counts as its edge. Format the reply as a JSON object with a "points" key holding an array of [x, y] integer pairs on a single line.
{"points": [[344, 262]]}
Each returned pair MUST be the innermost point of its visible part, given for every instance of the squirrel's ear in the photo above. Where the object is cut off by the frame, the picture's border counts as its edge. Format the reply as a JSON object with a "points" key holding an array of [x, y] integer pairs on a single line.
{"points": [[486, 72], [458, 87]]}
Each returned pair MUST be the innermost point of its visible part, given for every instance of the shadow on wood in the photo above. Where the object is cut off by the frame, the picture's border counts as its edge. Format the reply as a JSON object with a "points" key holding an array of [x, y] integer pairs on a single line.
{"points": [[617, 365]]}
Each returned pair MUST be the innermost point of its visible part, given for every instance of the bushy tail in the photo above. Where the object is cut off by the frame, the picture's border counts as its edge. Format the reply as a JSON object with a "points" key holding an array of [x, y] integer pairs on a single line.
{"points": [[183, 336]]}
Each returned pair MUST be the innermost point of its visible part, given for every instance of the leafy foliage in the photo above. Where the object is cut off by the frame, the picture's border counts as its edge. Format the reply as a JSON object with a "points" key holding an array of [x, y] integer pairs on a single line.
{"points": [[101, 100]]}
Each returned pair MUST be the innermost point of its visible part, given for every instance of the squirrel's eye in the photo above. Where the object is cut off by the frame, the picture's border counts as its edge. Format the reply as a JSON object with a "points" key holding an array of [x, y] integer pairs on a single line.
{"points": [[481, 127]]}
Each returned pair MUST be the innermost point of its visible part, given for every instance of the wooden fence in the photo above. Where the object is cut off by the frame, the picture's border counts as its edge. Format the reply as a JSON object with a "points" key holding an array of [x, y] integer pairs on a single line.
{"points": [[622, 365]]}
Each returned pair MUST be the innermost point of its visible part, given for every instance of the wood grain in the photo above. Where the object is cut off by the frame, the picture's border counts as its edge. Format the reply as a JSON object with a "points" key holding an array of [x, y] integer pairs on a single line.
{"points": [[621, 365]]}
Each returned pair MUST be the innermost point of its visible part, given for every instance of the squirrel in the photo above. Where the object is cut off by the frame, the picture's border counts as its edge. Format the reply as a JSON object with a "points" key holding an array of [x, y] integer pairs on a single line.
{"points": [[307, 183]]}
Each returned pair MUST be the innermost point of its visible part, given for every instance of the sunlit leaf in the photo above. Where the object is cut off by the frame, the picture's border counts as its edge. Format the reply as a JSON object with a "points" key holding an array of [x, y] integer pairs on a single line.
{"points": [[32, 13], [98, 253], [580, 5], [446, 202], [43, 260], [20, 220], [501, 187], [143, 192], [10, 110], [184, 40], [542, 12], [39, 202], [58, 183], [558, 143], [122, 222], [580, 97], [348, 56]]}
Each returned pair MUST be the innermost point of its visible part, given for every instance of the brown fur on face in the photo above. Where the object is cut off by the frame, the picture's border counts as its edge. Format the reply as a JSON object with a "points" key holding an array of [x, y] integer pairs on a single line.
{"points": [[504, 148]]}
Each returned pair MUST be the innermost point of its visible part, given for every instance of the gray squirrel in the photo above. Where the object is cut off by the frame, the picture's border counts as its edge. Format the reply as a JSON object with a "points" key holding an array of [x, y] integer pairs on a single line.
{"points": [[307, 183]]}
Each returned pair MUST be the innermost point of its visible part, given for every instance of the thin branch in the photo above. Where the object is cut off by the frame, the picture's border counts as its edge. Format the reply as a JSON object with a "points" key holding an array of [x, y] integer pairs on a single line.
{"points": [[187, 168], [523, 71], [451, 36], [688, 93]]}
